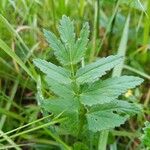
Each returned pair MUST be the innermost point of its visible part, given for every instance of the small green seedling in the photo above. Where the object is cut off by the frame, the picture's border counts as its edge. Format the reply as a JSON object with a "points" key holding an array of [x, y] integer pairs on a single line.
{"points": [[88, 103]]}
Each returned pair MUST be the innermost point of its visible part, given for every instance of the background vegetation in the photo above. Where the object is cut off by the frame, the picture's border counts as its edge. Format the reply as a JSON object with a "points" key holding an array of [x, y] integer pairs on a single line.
{"points": [[117, 26]]}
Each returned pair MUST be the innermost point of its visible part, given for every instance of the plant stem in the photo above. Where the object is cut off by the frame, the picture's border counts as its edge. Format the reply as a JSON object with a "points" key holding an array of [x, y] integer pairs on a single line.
{"points": [[72, 70], [82, 109], [82, 112], [103, 140]]}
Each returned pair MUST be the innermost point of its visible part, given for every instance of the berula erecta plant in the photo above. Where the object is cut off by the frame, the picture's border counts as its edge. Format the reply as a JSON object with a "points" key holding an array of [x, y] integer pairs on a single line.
{"points": [[88, 103]]}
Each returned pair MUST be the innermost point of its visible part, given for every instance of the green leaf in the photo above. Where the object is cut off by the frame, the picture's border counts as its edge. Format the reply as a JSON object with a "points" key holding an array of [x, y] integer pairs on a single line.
{"points": [[54, 72], [59, 49], [103, 120], [12, 54], [80, 45], [80, 97], [97, 69], [105, 91], [110, 115], [62, 90], [66, 30], [119, 106], [68, 108], [68, 51], [59, 105], [146, 136]]}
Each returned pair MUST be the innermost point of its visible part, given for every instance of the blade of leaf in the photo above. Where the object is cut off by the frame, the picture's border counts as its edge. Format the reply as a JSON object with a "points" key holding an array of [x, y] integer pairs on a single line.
{"points": [[66, 30], [102, 117], [13, 31], [97, 69], [69, 110], [12, 54], [59, 105], [59, 49], [62, 90], [122, 48], [67, 35], [80, 45], [54, 72], [105, 91], [119, 106], [103, 120], [67, 51]]}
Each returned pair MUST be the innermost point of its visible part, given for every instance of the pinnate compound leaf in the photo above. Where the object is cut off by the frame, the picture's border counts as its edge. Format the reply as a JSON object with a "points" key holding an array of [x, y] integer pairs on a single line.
{"points": [[54, 72], [105, 91], [102, 110], [97, 69]]}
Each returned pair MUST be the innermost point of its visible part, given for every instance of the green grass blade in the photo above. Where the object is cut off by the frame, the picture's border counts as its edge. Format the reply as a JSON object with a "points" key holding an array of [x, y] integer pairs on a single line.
{"points": [[143, 74], [8, 50], [26, 125], [9, 103], [11, 114], [108, 28], [13, 31], [116, 72], [36, 128], [9, 140], [122, 48]]}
